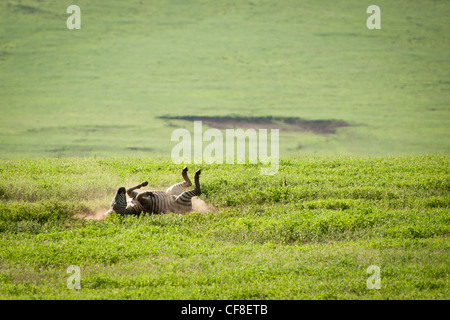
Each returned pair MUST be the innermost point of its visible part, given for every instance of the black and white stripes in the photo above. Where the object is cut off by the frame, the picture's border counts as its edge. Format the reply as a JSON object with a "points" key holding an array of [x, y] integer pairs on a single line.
{"points": [[154, 202]]}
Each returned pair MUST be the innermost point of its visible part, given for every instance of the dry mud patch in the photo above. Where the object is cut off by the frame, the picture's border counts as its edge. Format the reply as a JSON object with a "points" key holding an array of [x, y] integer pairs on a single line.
{"points": [[295, 124]]}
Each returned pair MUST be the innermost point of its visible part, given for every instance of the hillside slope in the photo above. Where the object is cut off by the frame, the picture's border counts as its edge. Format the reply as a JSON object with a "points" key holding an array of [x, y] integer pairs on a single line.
{"points": [[100, 90]]}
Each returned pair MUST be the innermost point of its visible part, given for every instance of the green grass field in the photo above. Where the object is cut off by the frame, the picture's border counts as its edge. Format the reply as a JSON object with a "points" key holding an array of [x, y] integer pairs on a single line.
{"points": [[100, 90], [314, 239], [82, 113]]}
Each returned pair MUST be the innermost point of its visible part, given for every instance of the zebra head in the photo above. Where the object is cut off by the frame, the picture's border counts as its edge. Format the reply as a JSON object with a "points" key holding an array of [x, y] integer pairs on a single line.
{"points": [[119, 203]]}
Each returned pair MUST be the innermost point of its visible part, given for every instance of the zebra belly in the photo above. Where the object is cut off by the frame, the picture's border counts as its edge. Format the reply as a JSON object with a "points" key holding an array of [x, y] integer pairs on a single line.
{"points": [[134, 207], [164, 203]]}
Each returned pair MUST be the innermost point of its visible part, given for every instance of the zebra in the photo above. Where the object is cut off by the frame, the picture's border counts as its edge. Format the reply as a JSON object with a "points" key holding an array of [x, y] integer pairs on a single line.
{"points": [[155, 202]]}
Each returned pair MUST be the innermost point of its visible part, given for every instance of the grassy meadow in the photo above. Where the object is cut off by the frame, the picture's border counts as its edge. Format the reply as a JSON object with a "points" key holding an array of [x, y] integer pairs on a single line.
{"points": [[313, 239], [83, 112], [100, 90]]}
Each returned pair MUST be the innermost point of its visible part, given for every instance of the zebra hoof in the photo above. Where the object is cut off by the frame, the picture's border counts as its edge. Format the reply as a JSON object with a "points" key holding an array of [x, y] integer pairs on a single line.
{"points": [[197, 173], [144, 184], [185, 169]]}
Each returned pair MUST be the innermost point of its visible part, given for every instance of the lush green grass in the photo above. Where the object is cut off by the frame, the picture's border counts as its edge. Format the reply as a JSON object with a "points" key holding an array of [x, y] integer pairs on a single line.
{"points": [[99, 90], [314, 239]]}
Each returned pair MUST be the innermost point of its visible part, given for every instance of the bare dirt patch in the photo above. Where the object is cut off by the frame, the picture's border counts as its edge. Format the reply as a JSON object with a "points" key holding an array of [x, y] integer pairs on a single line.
{"points": [[322, 127], [97, 214]]}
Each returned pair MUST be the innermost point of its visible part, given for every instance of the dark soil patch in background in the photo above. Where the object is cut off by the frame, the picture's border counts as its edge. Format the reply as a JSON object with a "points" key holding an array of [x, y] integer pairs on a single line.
{"points": [[322, 127]]}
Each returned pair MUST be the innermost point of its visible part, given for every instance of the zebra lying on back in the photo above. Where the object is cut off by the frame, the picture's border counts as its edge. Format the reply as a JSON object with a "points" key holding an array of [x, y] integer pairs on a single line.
{"points": [[173, 200]]}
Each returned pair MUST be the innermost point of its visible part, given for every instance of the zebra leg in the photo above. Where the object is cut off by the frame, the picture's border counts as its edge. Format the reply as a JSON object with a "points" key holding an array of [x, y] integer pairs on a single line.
{"points": [[183, 201], [197, 180], [131, 193], [178, 188]]}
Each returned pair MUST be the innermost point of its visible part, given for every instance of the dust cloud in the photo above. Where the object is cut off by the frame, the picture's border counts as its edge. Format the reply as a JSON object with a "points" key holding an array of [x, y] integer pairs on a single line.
{"points": [[200, 206], [98, 214]]}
